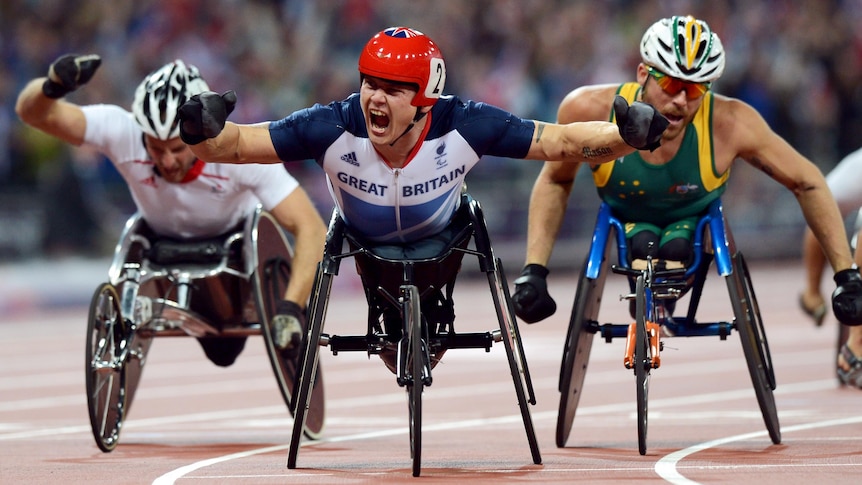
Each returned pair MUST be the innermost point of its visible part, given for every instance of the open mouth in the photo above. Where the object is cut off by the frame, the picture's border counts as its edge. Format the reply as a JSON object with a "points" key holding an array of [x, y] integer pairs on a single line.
{"points": [[379, 121], [674, 118]]}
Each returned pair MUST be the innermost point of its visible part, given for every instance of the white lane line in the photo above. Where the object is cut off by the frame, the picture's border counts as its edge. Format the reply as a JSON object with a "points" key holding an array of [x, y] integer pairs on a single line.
{"points": [[666, 466], [802, 387], [171, 477]]}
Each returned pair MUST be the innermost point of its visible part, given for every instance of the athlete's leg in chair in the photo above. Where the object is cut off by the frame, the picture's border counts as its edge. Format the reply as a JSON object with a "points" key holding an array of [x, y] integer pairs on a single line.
{"points": [[219, 300]]}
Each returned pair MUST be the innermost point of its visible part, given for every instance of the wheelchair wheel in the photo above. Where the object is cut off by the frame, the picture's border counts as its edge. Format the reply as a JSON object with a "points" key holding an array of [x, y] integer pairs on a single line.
{"points": [[416, 366], [642, 361], [514, 346], [105, 367], [304, 391], [576, 353], [754, 345], [271, 278]]}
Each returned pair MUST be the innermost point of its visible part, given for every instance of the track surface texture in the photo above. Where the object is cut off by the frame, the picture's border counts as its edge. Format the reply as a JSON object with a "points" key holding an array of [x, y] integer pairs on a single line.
{"points": [[195, 423]]}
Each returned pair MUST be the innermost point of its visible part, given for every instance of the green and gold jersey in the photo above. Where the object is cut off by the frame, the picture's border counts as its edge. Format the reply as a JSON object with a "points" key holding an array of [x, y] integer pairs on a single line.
{"points": [[661, 194]]}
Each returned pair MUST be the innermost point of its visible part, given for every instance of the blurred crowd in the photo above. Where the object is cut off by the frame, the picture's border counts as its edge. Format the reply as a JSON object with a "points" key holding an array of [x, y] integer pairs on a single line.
{"points": [[798, 62]]}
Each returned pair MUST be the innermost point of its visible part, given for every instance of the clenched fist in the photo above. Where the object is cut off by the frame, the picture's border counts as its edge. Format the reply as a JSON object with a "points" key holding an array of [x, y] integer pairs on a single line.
{"points": [[68, 73], [640, 124], [203, 116]]}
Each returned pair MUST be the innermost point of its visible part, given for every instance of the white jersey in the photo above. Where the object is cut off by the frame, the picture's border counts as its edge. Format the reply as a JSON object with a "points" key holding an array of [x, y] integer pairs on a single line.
{"points": [[215, 197], [845, 182]]}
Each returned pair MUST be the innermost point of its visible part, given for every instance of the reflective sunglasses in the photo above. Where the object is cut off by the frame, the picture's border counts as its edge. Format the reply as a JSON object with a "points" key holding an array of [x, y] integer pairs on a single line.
{"points": [[673, 86]]}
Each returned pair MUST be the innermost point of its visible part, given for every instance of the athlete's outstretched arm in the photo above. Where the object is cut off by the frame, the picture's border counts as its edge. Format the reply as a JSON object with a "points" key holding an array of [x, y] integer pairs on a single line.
{"points": [[638, 126], [204, 127]]}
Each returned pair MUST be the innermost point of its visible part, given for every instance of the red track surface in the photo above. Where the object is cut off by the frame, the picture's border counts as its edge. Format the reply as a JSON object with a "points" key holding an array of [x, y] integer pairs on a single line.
{"points": [[193, 422]]}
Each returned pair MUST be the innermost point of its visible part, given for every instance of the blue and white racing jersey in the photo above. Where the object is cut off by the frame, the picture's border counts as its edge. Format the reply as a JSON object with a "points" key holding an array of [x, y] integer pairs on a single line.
{"points": [[393, 205]]}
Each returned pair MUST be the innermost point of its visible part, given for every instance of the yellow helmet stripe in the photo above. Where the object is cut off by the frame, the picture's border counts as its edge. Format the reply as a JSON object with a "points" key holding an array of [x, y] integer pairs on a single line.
{"points": [[692, 34]]}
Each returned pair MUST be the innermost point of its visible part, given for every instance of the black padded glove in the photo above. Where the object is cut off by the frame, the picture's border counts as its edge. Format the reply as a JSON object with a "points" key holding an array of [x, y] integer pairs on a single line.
{"points": [[531, 298], [847, 298], [203, 116], [287, 327], [68, 73], [641, 125]]}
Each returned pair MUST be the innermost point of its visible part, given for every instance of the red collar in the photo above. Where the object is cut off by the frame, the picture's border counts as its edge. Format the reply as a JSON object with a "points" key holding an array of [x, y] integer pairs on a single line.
{"points": [[194, 172]]}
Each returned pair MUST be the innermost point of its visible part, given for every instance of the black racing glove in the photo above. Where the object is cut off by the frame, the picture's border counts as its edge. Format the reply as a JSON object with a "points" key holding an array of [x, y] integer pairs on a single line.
{"points": [[68, 73], [641, 125], [531, 298], [287, 327], [847, 298], [203, 116]]}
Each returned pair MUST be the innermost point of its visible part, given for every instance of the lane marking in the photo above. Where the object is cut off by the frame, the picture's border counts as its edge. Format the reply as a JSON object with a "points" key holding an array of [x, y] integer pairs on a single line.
{"points": [[666, 467], [171, 477], [802, 387]]}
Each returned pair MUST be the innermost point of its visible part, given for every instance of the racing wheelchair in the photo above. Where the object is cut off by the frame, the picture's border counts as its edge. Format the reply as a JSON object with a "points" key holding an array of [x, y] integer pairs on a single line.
{"points": [[655, 287], [225, 287], [411, 318]]}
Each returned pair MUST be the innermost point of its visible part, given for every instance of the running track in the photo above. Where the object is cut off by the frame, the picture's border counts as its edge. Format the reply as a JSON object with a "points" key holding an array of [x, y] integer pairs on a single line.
{"points": [[194, 423]]}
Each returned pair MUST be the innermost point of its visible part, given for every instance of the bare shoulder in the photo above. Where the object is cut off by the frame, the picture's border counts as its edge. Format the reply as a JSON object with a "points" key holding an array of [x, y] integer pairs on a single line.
{"points": [[587, 103], [737, 122]]}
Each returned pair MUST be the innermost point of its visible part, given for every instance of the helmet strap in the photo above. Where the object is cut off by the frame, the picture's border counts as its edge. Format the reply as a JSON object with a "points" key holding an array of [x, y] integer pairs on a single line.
{"points": [[418, 116]]}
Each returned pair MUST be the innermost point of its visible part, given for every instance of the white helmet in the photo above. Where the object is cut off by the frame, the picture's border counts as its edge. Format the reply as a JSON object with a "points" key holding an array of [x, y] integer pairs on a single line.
{"points": [[684, 48], [160, 95]]}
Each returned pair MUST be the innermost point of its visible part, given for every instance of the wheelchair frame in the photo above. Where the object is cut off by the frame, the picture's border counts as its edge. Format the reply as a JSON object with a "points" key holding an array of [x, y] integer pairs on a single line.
{"points": [[120, 333], [713, 241], [413, 368]]}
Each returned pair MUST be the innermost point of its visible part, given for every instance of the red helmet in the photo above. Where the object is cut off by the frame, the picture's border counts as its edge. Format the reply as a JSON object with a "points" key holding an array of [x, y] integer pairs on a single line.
{"points": [[406, 55]]}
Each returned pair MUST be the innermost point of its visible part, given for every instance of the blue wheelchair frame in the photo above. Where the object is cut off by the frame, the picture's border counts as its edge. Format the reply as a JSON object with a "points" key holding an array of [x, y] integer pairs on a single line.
{"points": [[712, 241]]}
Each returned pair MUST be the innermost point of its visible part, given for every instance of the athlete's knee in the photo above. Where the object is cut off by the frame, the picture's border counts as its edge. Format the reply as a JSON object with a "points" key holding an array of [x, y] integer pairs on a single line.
{"points": [[643, 244], [676, 249]]}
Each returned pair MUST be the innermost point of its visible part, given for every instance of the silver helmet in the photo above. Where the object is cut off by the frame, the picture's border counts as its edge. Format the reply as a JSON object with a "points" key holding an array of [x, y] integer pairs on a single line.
{"points": [[159, 96], [685, 48]]}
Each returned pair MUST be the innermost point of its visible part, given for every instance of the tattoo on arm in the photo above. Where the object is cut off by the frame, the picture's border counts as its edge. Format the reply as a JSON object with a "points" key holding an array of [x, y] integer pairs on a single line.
{"points": [[539, 129], [598, 152]]}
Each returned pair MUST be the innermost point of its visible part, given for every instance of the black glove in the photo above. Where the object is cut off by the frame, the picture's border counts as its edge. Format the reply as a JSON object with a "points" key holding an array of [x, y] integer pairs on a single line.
{"points": [[203, 116], [68, 73], [847, 298], [641, 125], [287, 327], [531, 298]]}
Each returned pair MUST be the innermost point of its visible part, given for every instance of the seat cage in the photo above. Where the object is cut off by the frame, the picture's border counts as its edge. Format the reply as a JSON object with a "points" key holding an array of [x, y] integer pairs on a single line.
{"points": [[712, 236], [403, 330], [434, 277], [141, 257], [712, 241]]}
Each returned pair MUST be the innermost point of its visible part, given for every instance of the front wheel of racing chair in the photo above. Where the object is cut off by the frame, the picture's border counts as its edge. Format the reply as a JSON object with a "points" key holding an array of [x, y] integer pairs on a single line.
{"points": [[405, 286], [712, 241], [416, 367], [643, 358]]}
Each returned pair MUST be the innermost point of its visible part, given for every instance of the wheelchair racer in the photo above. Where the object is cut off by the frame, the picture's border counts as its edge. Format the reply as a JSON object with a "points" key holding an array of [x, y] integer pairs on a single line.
{"points": [[659, 194], [178, 195], [396, 154], [843, 181]]}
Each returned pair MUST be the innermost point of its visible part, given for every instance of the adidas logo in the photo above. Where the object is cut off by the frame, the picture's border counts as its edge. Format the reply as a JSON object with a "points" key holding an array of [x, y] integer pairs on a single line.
{"points": [[350, 158]]}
